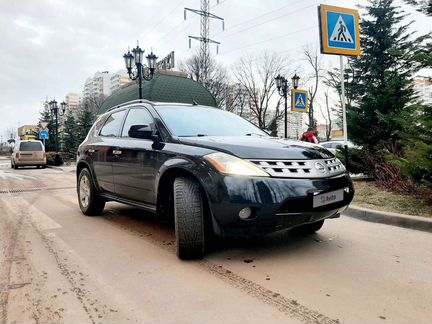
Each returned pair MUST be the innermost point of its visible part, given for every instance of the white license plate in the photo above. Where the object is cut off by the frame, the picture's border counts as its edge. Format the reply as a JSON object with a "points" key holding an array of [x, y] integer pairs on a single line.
{"points": [[328, 198]]}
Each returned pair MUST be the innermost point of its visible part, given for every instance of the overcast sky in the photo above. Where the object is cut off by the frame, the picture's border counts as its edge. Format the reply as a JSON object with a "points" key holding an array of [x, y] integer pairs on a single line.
{"points": [[49, 47]]}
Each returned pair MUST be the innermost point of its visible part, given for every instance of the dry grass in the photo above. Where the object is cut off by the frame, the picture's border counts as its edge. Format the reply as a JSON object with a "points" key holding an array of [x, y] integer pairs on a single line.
{"points": [[369, 195]]}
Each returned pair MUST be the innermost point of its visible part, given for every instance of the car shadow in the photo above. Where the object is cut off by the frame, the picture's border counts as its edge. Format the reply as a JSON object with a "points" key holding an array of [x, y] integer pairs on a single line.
{"points": [[144, 224]]}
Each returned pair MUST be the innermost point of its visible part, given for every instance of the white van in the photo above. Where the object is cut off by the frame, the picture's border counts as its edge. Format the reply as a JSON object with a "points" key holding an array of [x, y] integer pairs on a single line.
{"points": [[28, 153]]}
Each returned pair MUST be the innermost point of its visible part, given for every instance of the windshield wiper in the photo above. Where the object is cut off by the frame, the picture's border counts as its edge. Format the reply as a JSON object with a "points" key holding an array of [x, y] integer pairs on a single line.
{"points": [[197, 135], [250, 134]]}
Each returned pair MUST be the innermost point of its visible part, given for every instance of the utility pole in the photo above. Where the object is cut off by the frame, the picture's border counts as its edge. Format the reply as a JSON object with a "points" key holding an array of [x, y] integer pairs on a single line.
{"points": [[204, 37]]}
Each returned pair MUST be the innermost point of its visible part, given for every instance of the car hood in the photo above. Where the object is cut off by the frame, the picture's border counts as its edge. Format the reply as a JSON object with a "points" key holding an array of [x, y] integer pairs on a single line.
{"points": [[252, 147]]}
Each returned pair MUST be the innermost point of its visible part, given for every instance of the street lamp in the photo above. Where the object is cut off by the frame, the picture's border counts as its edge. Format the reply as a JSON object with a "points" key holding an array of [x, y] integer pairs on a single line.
{"points": [[282, 86], [141, 71], [295, 80], [56, 112]]}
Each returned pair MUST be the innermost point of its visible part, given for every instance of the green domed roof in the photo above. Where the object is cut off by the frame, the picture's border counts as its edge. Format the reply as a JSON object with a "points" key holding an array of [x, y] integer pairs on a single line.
{"points": [[163, 88]]}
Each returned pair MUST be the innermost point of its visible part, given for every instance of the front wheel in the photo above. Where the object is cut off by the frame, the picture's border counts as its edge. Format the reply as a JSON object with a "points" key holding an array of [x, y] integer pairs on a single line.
{"points": [[90, 202], [188, 218]]}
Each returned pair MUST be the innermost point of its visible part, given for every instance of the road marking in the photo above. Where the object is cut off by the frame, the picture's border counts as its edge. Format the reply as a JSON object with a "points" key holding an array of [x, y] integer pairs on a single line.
{"points": [[14, 176], [41, 220]]}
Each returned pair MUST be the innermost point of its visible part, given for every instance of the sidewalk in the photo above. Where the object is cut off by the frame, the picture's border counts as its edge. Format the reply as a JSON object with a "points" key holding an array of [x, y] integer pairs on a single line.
{"points": [[389, 218], [64, 167]]}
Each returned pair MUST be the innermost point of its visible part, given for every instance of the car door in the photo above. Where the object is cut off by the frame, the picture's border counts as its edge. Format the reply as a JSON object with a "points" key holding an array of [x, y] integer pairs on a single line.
{"points": [[102, 150], [134, 165]]}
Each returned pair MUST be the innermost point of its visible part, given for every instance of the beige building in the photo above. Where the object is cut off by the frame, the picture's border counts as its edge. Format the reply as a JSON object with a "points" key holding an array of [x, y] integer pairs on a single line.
{"points": [[97, 86], [295, 125], [119, 80], [73, 101]]}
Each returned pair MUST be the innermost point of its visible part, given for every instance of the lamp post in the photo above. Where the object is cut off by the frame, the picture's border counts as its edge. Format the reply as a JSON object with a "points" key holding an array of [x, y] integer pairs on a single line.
{"points": [[55, 111], [282, 86], [295, 81], [141, 71]]}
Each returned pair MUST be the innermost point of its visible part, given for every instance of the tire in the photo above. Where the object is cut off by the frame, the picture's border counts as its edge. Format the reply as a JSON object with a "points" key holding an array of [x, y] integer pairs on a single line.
{"points": [[90, 202], [15, 166], [309, 228], [189, 219]]}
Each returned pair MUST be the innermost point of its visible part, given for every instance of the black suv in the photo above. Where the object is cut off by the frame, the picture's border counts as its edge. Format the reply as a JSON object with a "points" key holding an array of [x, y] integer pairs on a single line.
{"points": [[210, 171]]}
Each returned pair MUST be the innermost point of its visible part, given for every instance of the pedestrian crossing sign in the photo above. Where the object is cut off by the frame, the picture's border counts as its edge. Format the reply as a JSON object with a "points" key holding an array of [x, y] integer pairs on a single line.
{"points": [[299, 100], [339, 30]]}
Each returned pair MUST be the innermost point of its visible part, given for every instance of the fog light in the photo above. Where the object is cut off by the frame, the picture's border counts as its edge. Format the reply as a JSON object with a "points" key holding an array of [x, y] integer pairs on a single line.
{"points": [[245, 213]]}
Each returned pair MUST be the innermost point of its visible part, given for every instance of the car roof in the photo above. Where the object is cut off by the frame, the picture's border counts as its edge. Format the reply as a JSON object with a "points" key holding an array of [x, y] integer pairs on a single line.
{"points": [[155, 104]]}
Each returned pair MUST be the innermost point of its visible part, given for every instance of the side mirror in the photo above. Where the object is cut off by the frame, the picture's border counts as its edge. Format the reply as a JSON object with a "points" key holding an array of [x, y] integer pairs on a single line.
{"points": [[141, 131]]}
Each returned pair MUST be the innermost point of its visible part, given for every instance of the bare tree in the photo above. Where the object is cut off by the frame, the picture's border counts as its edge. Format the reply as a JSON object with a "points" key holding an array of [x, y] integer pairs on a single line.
{"points": [[313, 59], [93, 103], [217, 81], [237, 100], [256, 75], [327, 115]]}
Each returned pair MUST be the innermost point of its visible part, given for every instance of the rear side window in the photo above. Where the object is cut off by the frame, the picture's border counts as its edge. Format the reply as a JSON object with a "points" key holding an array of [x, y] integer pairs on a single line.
{"points": [[113, 124], [30, 146], [137, 117]]}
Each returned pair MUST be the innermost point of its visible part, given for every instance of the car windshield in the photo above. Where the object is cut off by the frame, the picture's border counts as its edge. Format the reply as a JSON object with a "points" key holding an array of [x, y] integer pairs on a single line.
{"points": [[202, 121], [30, 146]]}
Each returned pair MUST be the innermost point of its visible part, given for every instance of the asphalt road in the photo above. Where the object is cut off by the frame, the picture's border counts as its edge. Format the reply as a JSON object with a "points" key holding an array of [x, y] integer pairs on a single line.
{"points": [[59, 266]]}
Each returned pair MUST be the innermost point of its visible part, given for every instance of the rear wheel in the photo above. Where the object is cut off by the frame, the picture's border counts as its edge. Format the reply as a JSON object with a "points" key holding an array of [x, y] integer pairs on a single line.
{"points": [[189, 218], [15, 166], [310, 228], [91, 203]]}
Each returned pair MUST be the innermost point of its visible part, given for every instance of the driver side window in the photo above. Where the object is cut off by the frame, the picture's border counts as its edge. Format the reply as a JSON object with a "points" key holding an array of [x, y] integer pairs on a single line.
{"points": [[137, 116]]}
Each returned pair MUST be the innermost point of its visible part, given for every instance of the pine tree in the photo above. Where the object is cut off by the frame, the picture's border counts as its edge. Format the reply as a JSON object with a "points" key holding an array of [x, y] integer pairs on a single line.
{"points": [[70, 136], [416, 161], [84, 122], [45, 116], [379, 87]]}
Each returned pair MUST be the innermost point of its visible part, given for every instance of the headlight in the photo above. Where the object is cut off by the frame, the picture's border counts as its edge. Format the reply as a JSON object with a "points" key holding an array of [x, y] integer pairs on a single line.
{"points": [[232, 165]]}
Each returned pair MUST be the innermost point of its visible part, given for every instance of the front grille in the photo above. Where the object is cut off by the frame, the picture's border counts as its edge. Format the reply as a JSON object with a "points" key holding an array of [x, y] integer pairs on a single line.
{"points": [[301, 168]]}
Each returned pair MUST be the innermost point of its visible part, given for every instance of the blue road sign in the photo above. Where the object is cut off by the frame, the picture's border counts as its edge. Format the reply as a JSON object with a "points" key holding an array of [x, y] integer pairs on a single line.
{"points": [[339, 30], [299, 100], [44, 134]]}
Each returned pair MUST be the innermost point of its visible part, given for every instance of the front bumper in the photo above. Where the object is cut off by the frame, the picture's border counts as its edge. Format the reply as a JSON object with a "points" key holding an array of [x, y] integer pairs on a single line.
{"points": [[276, 203]]}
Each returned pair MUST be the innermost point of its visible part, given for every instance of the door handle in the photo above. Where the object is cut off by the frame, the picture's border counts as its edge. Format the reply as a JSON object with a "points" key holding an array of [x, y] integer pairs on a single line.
{"points": [[117, 152]]}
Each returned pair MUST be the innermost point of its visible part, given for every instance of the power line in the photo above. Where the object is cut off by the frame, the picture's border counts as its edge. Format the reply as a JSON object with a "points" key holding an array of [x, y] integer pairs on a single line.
{"points": [[260, 16], [177, 28], [270, 39], [163, 19], [269, 20], [204, 39]]}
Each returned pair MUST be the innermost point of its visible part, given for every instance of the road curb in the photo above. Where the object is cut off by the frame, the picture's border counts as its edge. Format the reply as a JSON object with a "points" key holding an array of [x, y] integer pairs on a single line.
{"points": [[388, 218]]}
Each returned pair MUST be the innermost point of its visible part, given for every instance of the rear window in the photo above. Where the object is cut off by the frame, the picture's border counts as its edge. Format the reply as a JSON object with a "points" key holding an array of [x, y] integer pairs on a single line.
{"points": [[30, 146]]}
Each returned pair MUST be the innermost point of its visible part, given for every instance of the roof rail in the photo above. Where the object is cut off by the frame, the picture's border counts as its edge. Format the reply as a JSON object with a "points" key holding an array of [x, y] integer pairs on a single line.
{"points": [[129, 103]]}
